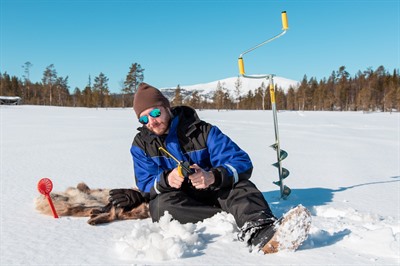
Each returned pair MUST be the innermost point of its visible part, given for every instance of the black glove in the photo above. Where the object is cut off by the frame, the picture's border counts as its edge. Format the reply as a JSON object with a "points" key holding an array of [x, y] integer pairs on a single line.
{"points": [[125, 198]]}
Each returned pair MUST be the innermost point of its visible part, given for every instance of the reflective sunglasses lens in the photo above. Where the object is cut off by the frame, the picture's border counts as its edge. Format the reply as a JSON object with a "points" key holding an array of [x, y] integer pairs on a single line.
{"points": [[144, 119], [155, 112]]}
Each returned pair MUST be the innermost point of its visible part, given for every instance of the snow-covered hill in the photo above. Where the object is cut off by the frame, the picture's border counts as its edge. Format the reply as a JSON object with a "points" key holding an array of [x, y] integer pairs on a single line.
{"points": [[207, 89]]}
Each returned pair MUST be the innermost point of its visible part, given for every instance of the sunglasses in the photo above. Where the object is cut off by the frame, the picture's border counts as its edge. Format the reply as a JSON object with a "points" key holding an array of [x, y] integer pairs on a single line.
{"points": [[144, 119]]}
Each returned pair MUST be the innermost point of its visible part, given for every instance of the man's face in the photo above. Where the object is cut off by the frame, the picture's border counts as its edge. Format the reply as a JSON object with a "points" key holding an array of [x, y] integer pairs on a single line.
{"points": [[158, 125]]}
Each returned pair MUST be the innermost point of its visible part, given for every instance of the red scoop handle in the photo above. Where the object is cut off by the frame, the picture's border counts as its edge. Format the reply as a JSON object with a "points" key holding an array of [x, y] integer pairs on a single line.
{"points": [[45, 186]]}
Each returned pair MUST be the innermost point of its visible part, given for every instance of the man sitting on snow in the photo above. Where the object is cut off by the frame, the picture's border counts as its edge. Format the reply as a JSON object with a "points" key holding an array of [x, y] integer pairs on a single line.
{"points": [[218, 178]]}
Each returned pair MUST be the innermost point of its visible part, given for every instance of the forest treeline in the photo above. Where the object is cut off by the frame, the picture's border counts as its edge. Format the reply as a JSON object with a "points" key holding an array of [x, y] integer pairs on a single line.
{"points": [[368, 90]]}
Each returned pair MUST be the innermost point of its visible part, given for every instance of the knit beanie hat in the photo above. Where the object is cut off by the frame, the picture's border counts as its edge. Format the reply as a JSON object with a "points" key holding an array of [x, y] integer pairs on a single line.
{"points": [[146, 97]]}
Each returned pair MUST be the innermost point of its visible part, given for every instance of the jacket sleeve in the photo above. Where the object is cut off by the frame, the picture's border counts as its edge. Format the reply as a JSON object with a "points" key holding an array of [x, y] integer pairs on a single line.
{"points": [[229, 162], [150, 178]]}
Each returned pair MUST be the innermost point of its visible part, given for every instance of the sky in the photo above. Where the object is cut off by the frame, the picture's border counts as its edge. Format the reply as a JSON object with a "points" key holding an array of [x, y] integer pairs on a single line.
{"points": [[188, 42]]}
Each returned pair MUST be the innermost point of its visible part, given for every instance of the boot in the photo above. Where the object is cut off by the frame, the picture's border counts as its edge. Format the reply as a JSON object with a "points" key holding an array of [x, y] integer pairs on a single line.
{"points": [[288, 233]]}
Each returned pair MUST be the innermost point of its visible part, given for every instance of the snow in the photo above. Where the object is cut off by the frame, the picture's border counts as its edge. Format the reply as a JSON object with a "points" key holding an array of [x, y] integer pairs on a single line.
{"points": [[10, 98], [344, 167]]}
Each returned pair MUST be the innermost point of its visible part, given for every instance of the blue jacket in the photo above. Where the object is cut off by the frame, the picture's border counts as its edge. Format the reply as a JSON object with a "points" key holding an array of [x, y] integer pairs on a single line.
{"points": [[188, 139]]}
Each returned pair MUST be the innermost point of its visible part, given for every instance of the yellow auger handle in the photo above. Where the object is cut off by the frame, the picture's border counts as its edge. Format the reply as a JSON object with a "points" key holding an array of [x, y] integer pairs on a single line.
{"points": [[285, 24], [272, 92], [241, 66]]}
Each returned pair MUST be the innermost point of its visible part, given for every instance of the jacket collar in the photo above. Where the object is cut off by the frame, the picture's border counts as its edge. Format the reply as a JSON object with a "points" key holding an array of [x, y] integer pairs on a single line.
{"points": [[188, 119]]}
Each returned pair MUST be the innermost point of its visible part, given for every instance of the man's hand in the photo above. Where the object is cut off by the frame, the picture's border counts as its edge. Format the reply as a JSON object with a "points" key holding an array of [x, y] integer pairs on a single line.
{"points": [[201, 179], [125, 198], [175, 180]]}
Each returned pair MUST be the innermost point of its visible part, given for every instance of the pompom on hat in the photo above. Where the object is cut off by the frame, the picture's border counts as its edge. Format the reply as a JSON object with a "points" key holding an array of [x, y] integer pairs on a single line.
{"points": [[146, 97]]}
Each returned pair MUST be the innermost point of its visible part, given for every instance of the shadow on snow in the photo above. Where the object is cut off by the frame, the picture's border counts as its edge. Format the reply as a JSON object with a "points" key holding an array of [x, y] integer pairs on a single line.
{"points": [[310, 198]]}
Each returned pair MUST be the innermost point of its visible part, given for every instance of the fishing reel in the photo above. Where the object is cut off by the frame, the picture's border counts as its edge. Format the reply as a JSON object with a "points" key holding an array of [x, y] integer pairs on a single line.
{"points": [[184, 169]]}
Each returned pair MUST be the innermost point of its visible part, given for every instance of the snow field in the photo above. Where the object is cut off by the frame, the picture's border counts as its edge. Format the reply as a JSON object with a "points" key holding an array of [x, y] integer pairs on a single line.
{"points": [[344, 167]]}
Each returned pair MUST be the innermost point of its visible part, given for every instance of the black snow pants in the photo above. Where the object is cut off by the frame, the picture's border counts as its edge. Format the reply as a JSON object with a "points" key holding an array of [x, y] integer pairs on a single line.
{"points": [[189, 205]]}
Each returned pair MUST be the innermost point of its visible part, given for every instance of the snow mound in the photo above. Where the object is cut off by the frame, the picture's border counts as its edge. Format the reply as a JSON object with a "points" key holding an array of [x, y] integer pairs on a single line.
{"points": [[164, 240], [168, 239]]}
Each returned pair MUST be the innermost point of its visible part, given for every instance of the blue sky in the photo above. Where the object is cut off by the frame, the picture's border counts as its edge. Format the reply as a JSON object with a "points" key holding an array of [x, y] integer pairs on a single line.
{"points": [[188, 42]]}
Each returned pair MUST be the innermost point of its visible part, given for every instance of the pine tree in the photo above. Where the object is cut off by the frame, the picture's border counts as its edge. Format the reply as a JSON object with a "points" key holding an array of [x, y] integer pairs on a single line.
{"points": [[342, 88], [290, 99], [329, 103], [195, 100], [133, 79], [263, 93], [219, 97], [15, 86], [27, 80], [61, 86], [395, 84], [49, 79], [301, 94], [280, 98], [318, 96], [100, 87], [77, 98], [311, 96], [87, 97], [238, 86], [177, 101], [249, 102]]}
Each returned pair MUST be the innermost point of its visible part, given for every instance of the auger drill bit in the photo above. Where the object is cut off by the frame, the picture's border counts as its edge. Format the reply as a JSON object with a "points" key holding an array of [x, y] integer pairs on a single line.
{"points": [[280, 154]]}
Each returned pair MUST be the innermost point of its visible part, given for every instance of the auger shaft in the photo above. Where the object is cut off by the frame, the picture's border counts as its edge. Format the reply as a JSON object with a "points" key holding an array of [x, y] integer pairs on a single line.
{"points": [[280, 154]]}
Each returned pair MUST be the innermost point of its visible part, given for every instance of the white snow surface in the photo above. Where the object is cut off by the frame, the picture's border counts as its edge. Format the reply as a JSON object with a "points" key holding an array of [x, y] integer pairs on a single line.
{"points": [[344, 167]]}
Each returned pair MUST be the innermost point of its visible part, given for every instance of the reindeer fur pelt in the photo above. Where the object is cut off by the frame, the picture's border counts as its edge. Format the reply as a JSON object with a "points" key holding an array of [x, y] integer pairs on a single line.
{"points": [[81, 201]]}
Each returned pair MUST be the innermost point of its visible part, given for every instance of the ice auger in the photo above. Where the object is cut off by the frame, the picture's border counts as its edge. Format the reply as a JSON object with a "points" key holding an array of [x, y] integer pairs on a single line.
{"points": [[281, 154]]}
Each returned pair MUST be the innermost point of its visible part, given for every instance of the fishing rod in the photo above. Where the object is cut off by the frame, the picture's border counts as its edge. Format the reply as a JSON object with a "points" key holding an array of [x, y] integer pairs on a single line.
{"points": [[184, 169], [280, 154]]}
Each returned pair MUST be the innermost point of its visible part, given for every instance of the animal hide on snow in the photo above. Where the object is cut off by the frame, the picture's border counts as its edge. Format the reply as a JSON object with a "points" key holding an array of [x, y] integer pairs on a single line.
{"points": [[85, 202]]}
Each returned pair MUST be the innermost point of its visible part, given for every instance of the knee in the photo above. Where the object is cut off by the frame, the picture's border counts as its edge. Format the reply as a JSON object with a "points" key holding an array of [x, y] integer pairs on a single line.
{"points": [[155, 209], [245, 184], [158, 206]]}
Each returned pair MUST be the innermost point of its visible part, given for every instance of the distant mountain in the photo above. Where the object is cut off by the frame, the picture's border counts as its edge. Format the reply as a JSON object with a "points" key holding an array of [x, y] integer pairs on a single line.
{"points": [[207, 89]]}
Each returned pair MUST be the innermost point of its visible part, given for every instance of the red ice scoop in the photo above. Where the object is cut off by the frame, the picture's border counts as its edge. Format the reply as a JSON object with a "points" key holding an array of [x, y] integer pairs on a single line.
{"points": [[45, 186]]}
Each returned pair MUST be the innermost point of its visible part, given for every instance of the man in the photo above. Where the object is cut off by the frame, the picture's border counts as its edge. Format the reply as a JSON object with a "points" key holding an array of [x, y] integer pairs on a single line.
{"points": [[218, 178]]}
